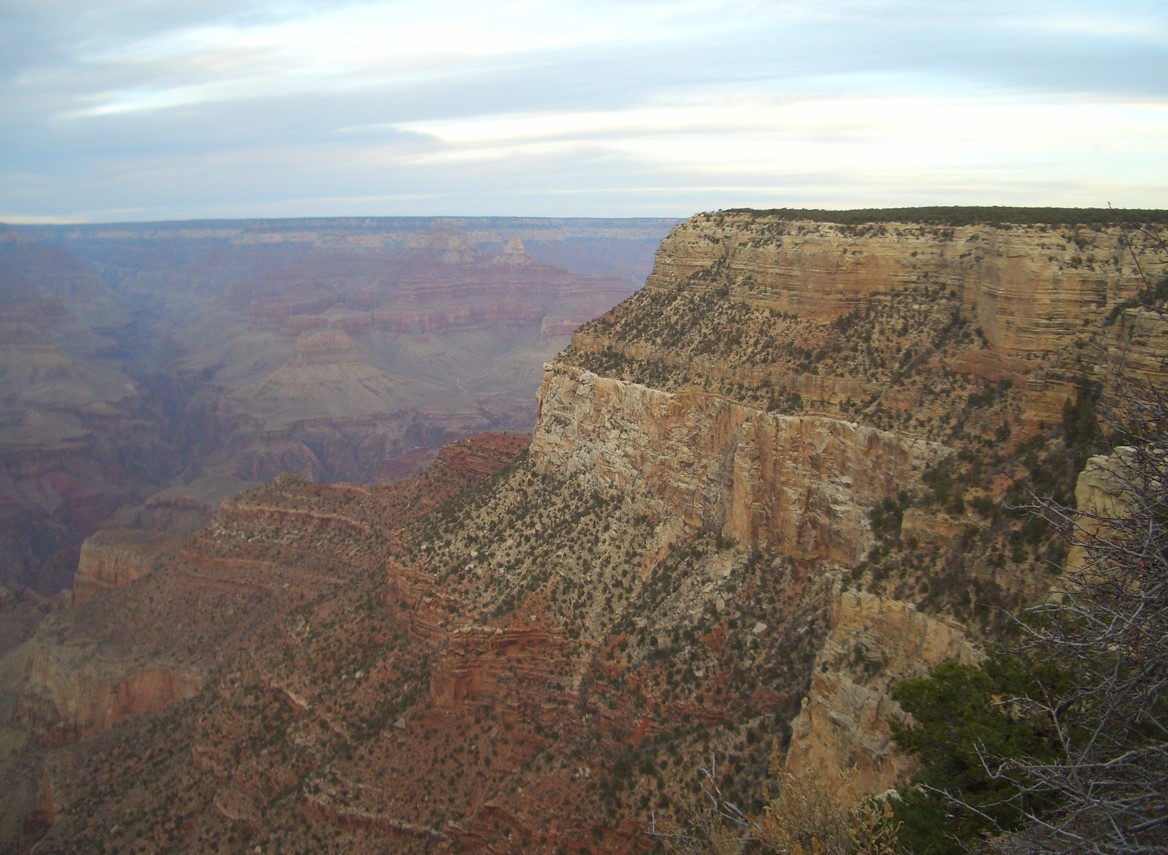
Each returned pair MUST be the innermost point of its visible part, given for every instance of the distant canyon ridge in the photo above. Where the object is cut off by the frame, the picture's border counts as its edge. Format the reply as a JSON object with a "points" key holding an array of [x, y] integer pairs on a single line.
{"points": [[148, 371]]}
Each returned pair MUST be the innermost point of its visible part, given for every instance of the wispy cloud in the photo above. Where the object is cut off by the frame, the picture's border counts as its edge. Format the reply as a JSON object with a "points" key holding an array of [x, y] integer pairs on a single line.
{"points": [[453, 106]]}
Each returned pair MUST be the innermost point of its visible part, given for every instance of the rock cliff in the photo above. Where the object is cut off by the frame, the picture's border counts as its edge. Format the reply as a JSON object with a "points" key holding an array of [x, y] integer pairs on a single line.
{"points": [[894, 323], [74, 693], [1030, 288], [798, 485], [841, 733], [950, 338], [782, 476], [113, 558]]}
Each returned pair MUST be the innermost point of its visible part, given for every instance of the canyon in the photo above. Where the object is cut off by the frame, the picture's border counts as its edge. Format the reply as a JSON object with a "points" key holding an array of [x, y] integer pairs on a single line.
{"points": [[148, 368], [786, 473]]}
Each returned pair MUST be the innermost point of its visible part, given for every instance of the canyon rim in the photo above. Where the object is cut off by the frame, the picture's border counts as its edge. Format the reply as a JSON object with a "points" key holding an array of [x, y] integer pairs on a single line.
{"points": [[781, 476]]}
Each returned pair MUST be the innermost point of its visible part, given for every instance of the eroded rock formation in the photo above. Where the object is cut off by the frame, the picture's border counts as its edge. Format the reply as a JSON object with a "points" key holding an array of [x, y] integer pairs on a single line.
{"points": [[77, 692], [799, 485], [778, 479], [113, 558], [1029, 288], [139, 358], [841, 734]]}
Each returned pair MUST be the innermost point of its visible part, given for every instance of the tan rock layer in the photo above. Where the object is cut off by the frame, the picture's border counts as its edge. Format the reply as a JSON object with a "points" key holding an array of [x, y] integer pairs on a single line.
{"points": [[1029, 288], [1103, 493], [802, 485], [841, 734], [113, 558], [86, 697]]}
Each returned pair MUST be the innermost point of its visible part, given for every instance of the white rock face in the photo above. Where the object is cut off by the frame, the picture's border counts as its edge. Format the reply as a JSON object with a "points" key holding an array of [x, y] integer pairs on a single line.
{"points": [[842, 733], [802, 485], [1103, 492]]}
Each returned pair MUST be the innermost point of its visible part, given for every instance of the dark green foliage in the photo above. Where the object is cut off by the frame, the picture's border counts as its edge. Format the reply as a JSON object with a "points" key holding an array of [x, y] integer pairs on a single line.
{"points": [[959, 710], [1053, 467], [1080, 427], [992, 215], [887, 515], [945, 486]]}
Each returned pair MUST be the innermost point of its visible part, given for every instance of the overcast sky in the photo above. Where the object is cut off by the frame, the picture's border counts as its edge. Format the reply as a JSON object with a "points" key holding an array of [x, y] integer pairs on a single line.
{"points": [[176, 109]]}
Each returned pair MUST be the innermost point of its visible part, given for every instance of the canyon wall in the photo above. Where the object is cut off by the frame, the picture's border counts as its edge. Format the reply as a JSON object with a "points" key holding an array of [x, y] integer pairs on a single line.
{"points": [[141, 357], [776, 480], [1038, 304], [75, 691], [113, 558], [800, 485], [1029, 288], [976, 337]]}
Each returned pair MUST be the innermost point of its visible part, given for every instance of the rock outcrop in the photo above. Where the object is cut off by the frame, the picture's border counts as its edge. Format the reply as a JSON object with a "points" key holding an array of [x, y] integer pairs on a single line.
{"points": [[841, 734], [1103, 493], [799, 485], [75, 692], [843, 318], [113, 558], [1029, 288]]}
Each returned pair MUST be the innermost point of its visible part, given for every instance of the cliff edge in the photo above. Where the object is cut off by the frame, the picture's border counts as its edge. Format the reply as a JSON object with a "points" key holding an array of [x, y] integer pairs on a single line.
{"points": [[785, 474]]}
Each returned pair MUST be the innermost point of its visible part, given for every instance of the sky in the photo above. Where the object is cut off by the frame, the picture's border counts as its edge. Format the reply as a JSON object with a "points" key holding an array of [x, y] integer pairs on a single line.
{"points": [[140, 110]]}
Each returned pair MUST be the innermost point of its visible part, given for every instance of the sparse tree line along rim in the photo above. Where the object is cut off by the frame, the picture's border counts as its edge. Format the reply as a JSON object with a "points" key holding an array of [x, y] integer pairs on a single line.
{"points": [[957, 215]]}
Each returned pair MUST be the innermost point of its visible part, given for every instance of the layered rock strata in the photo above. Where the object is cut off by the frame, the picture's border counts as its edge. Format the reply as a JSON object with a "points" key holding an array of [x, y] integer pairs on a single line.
{"points": [[113, 558], [897, 322], [138, 357], [76, 690], [800, 485], [841, 735], [1029, 288], [774, 482]]}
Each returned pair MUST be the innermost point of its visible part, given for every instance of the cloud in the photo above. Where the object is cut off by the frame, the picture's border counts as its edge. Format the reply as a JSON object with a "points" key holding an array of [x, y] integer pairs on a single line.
{"points": [[177, 109]]}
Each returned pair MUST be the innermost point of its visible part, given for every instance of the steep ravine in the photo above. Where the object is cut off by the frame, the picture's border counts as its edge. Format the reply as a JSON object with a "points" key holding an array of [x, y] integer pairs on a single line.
{"points": [[143, 357]]}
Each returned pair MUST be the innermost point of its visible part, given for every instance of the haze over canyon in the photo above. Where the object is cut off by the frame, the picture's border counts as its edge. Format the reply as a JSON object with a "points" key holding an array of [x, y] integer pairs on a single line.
{"points": [[148, 371]]}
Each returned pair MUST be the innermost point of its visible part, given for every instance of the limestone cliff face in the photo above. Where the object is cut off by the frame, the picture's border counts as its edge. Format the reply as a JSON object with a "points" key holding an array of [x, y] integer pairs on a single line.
{"points": [[113, 558], [841, 732], [1030, 288], [1102, 493], [75, 692], [801, 485], [787, 384], [913, 318]]}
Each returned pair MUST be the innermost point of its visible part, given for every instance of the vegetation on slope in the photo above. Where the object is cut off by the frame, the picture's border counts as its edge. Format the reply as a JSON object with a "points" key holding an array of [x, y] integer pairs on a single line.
{"points": [[1061, 738], [969, 215], [708, 644], [548, 665], [898, 346]]}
